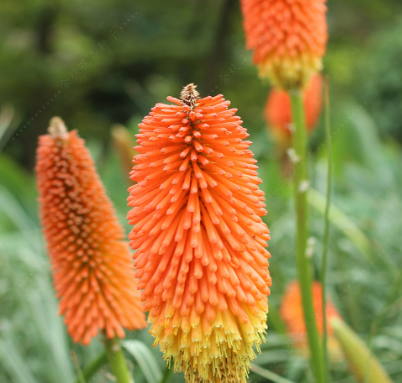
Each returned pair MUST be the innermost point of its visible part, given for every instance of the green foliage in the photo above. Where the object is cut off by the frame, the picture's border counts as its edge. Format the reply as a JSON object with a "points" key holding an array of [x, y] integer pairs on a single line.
{"points": [[145, 359], [161, 47], [366, 198], [382, 92]]}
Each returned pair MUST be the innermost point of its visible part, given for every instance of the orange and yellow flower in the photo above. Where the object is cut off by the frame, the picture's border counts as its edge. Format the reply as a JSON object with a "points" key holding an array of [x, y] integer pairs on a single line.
{"points": [[199, 236], [91, 265], [291, 311], [278, 111], [288, 38]]}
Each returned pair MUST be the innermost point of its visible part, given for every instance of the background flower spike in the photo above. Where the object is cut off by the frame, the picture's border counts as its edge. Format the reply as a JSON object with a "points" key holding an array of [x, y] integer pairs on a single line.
{"points": [[288, 39], [278, 110], [123, 143], [199, 236], [291, 311], [278, 116], [91, 265]]}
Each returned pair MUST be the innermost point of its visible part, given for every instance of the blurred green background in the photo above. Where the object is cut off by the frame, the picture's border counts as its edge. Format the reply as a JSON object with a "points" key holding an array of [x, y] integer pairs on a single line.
{"points": [[97, 63]]}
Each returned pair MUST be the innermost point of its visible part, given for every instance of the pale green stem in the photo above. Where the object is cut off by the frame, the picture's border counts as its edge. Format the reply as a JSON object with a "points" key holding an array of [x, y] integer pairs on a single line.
{"points": [[81, 378], [301, 206], [324, 256], [117, 361]]}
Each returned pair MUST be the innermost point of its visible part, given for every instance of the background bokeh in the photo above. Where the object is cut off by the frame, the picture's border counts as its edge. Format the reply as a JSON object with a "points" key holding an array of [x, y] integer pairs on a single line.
{"points": [[99, 63]]}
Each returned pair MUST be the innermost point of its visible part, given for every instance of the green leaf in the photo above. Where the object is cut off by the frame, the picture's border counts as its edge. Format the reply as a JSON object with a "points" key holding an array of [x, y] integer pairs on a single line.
{"points": [[343, 223], [268, 374], [15, 212], [145, 359], [167, 374], [275, 320], [12, 361], [364, 365]]}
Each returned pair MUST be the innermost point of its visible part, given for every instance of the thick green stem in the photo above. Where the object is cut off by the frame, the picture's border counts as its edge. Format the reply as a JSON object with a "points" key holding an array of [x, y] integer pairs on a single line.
{"points": [[117, 361], [301, 206], [324, 256]]}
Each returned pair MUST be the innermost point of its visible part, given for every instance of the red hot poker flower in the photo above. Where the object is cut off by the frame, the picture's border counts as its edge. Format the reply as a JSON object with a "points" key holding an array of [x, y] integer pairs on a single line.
{"points": [[200, 240], [91, 265], [288, 38]]}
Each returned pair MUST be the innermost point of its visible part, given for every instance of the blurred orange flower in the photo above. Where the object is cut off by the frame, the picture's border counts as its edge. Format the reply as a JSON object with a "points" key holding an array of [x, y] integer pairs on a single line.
{"points": [[278, 111], [291, 311], [91, 265], [288, 38], [200, 239], [123, 142]]}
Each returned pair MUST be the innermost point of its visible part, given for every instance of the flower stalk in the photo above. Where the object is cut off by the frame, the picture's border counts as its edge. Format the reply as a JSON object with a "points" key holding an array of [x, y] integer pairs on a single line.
{"points": [[301, 207], [117, 361], [324, 256]]}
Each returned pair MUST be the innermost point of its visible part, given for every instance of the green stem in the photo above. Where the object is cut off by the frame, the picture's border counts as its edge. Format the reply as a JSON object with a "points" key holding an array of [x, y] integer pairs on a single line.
{"points": [[117, 361], [324, 256], [167, 374], [81, 378], [301, 206], [93, 367]]}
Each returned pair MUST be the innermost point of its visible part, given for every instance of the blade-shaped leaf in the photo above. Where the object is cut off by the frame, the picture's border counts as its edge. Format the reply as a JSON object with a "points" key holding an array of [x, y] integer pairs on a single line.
{"points": [[268, 374], [12, 362], [145, 359]]}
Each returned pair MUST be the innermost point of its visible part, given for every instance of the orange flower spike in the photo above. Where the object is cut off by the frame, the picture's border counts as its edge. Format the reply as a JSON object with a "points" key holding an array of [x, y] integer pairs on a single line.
{"points": [[91, 265], [278, 109], [199, 236], [288, 39], [291, 311]]}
